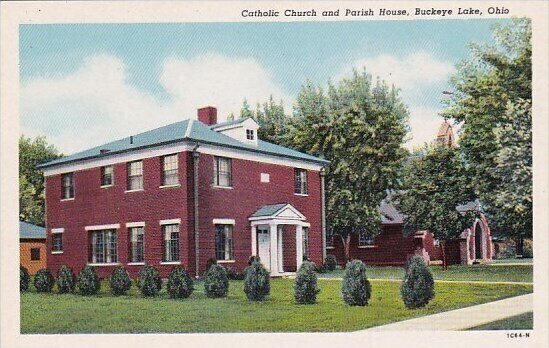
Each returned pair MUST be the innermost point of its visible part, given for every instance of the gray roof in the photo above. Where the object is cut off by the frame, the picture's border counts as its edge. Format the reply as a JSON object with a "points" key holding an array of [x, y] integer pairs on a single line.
{"points": [[472, 205], [187, 130], [389, 214], [229, 123], [268, 210], [30, 231]]}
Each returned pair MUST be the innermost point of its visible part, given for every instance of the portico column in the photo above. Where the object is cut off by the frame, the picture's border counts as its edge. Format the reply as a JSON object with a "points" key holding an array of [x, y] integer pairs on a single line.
{"points": [[254, 240], [273, 232], [299, 244]]}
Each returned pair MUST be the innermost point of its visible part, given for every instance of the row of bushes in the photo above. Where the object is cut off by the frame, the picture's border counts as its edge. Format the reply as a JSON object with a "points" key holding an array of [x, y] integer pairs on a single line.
{"points": [[417, 288]]}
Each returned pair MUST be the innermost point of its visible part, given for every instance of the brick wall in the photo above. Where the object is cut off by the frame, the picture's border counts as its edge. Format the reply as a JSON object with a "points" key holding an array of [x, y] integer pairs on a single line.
{"points": [[94, 205], [246, 196], [393, 248]]}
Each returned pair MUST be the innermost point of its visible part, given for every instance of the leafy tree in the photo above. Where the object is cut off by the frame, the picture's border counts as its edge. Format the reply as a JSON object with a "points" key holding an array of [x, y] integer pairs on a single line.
{"points": [[511, 200], [434, 183], [31, 180], [493, 91], [359, 126], [246, 110]]}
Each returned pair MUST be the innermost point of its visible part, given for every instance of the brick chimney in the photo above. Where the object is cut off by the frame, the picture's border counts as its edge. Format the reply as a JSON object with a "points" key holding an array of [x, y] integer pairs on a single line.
{"points": [[207, 115]]}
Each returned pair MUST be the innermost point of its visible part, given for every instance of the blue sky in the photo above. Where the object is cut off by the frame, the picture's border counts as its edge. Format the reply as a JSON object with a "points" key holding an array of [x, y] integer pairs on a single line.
{"points": [[82, 85]]}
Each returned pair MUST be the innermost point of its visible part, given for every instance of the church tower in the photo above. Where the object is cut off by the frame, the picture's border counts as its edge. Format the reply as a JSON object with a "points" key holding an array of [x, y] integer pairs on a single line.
{"points": [[445, 135]]}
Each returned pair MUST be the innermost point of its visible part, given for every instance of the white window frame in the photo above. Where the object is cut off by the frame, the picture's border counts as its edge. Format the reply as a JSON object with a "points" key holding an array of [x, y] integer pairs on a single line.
{"points": [[217, 173], [167, 257], [365, 242], [129, 176], [171, 174], [300, 177], [106, 245], [103, 168], [71, 188], [228, 249], [250, 134], [134, 244], [329, 240], [57, 231]]}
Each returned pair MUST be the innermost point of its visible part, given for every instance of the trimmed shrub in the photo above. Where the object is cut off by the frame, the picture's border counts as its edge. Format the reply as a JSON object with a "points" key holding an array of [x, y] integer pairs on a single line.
{"points": [[257, 282], [210, 262], [306, 284], [418, 287], [527, 252], [330, 263], [148, 281], [120, 281], [355, 287], [253, 259], [233, 274], [44, 280], [24, 279], [88, 282], [180, 284], [216, 282], [66, 280]]}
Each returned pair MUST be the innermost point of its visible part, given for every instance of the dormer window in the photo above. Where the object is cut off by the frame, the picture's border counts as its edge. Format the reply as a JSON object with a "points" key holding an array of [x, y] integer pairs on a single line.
{"points": [[250, 134]]}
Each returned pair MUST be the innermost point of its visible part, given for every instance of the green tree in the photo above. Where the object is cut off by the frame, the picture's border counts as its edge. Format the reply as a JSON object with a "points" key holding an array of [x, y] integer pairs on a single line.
{"points": [[512, 198], [434, 183], [31, 179], [492, 91], [246, 110], [360, 127], [271, 119]]}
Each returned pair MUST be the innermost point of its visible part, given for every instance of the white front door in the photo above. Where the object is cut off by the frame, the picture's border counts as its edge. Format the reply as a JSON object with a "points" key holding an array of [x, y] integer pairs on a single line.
{"points": [[264, 246]]}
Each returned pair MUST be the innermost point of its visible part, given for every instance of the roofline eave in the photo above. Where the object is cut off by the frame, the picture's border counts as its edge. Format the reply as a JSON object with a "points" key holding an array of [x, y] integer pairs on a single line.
{"points": [[318, 161]]}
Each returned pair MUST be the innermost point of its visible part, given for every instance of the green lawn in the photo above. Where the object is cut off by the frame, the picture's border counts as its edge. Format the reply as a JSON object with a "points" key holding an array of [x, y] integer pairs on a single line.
{"points": [[489, 273], [520, 322], [55, 313]]}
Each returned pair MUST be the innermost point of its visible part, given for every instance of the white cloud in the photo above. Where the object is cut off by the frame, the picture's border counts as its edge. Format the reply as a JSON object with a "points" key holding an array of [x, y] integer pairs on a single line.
{"points": [[97, 103], [424, 123], [409, 72], [419, 76]]}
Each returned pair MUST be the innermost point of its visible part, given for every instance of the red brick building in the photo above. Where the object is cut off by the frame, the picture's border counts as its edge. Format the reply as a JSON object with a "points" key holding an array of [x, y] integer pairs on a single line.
{"points": [[392, 247], [183, 194]]}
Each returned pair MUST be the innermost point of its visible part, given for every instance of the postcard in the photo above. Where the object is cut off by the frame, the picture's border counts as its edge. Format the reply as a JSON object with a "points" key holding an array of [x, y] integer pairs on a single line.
{"points": [[327, 173]]}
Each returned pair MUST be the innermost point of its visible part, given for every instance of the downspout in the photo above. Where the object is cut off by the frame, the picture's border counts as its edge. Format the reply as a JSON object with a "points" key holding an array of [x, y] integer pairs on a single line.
{"points": [[323, 212], [196, 160]]}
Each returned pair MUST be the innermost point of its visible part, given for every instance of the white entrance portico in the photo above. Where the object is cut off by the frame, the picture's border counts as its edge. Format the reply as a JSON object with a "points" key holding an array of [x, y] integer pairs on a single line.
{"points": [[268, 232]]}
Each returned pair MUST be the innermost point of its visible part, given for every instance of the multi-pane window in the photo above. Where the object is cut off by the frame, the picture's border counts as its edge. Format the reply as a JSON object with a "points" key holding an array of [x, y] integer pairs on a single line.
{"points": [[171, 242], [222, 171], [329, 239], [35, 254], [103, 246], [56, 242], [365, 240], [137, 235], [67, 186], [305, 235], [135, 175], [170, 174], [250, 134], [107, 176], [224, 242], [300, 181]]}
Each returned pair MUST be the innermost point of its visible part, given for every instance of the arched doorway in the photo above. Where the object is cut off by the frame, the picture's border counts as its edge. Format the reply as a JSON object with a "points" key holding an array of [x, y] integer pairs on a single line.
{"points": [[478, 242]]}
